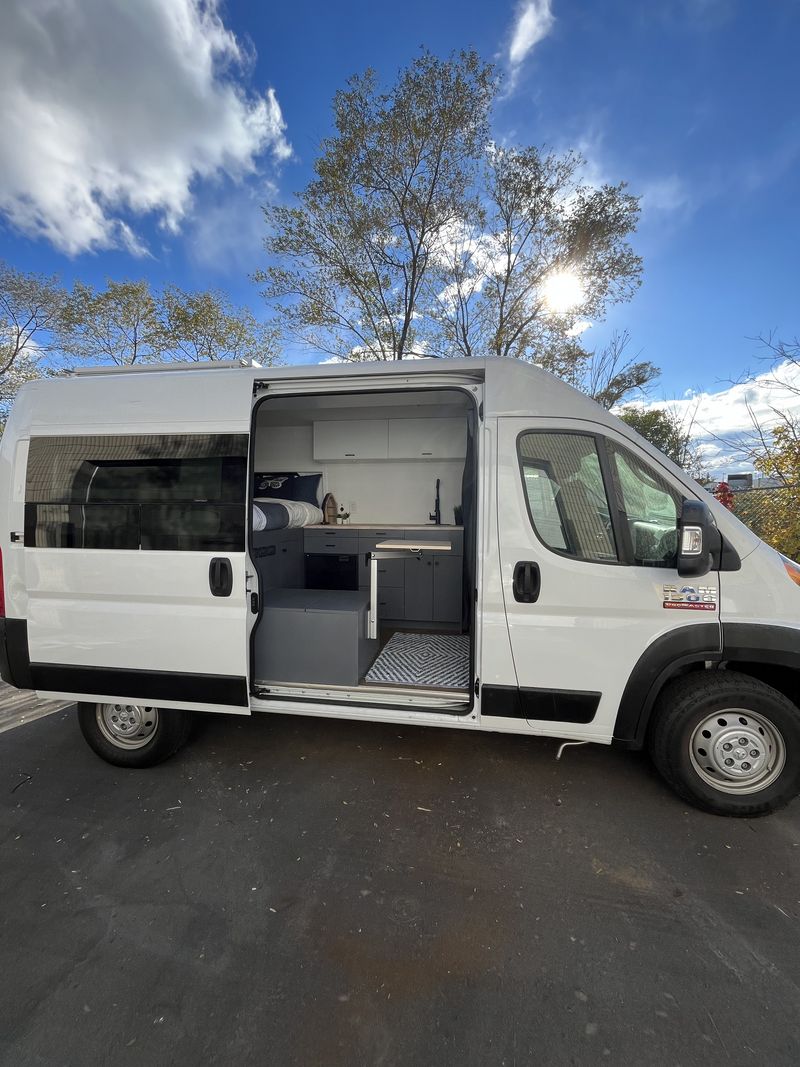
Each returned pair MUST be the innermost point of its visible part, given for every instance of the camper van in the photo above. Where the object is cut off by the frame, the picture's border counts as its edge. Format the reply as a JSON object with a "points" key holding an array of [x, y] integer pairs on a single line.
{"points": [[458, 543]]}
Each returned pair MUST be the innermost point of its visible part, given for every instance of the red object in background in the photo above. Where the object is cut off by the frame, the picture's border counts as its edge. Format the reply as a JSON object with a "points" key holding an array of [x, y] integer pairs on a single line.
{"points": [[724, 495]]}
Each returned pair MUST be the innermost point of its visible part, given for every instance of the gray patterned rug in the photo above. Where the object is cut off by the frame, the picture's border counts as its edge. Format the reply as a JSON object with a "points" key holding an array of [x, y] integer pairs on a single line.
{"points": [[439, 661]]}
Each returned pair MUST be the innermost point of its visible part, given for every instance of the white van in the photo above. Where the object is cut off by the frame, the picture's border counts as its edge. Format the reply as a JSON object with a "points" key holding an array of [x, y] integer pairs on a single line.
{"points": [[513, 558]]}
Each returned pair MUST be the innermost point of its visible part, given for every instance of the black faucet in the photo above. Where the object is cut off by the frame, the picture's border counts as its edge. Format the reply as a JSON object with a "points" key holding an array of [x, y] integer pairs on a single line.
{"points": [[436, 517]]}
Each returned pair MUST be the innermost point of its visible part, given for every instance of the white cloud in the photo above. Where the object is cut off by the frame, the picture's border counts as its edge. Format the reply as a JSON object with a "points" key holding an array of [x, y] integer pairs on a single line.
{"points": [[579, 327], [668, 195], [719, 419], [112, 109], [534, 20]]}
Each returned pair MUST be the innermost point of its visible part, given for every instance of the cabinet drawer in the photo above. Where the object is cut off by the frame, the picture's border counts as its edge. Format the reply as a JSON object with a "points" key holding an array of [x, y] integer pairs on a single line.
{"points": [[378, 533], [340, 541]]}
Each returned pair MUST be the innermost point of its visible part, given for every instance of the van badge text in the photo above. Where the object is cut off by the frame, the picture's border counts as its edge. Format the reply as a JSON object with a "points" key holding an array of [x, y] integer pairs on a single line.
{"points": [[691, 597]]}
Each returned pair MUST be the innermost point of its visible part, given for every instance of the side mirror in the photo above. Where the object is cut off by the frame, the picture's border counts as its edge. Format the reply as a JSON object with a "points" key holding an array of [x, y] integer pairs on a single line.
{"points": [[696, 529]]}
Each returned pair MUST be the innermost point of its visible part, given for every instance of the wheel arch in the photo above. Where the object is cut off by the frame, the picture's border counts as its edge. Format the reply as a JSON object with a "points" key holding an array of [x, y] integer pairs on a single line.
{"points": [[767, 652]]}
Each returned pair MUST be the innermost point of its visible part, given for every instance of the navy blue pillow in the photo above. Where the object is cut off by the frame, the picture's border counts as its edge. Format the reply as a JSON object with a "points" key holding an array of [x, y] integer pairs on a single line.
{"points": [[302, 487]]}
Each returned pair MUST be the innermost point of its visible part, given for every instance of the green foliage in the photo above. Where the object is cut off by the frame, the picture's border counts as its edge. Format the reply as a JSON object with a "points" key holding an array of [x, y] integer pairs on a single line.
{"points": [[205, 325], [537, 220], [126, 323], [779, 519], [120, 324], [666, 432], [30, 308], [43, 328], [351, 260], [418, 232]]}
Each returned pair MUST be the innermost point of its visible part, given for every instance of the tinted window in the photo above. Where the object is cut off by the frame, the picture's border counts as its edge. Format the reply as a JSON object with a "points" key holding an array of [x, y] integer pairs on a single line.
{"points": [[651, 506], [180, 492], [566, 495]]}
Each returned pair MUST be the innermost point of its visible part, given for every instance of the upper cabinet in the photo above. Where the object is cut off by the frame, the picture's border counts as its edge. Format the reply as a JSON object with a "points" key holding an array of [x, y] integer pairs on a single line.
{"points": [[390, 439], [357, 439], [427, 438]]}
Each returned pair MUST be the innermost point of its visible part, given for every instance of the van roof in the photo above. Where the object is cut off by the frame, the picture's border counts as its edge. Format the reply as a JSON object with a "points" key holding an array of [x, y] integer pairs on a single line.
{"points": [[511, 386]]}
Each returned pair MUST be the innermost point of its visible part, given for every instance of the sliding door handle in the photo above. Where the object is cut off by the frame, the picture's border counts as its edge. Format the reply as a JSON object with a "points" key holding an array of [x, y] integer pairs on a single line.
{"points": [[220, 576], [527, 582]]}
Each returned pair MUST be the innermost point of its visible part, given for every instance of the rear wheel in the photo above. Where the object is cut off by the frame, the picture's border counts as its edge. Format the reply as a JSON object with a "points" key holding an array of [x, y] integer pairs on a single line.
{"points": [[133, 735], [727, 743]]}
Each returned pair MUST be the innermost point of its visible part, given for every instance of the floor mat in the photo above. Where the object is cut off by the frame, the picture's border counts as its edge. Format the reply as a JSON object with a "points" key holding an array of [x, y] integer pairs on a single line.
{"points": [[439, 661]]}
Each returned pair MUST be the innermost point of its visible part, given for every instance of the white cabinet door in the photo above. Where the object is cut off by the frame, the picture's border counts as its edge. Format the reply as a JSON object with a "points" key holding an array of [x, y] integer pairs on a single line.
{"points": [[358, 439], [427, 438]]}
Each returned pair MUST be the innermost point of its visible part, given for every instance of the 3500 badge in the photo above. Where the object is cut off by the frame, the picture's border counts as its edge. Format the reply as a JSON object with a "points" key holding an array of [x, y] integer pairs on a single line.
{"points": [[690, 597]]}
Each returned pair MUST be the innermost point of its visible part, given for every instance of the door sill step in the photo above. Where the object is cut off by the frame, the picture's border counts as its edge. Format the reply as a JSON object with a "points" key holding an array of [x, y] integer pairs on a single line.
{"points": [[454, 701]]}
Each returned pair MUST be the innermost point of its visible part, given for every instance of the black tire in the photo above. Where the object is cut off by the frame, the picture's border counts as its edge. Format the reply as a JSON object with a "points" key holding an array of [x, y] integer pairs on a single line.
{"points": [[169, 730], [676, 742]]}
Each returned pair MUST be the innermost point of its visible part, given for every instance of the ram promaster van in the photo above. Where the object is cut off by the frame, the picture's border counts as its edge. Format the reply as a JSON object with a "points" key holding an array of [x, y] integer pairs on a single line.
{"points": [[458, 543]]}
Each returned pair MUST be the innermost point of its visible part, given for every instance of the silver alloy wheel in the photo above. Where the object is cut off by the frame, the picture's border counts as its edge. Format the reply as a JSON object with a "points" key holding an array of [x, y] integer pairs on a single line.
{"points": [[737, 751], [127, 725]]}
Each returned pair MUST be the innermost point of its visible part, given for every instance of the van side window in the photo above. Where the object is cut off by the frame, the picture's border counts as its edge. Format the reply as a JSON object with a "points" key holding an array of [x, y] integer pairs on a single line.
{"points": [[168, 492], [566, 496], [651, 507]]}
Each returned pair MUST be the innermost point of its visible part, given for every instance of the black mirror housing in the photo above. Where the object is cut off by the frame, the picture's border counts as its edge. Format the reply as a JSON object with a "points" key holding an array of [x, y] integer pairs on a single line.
{"points": [[697, 535]]}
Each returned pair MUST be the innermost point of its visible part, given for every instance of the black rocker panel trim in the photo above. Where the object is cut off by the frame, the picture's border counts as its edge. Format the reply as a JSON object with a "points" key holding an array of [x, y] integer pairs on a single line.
{"points": [[15, 663], [158, 686], [547, 705], [663, 659]]}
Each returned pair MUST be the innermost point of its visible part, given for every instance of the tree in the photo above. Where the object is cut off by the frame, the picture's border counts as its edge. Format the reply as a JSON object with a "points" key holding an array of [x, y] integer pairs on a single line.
{"points": [[607, 375], [127, 324], [120, 324], [352, 258], [418, 233], [30, 309], [206, 325], [668, 433], [545, 252]]}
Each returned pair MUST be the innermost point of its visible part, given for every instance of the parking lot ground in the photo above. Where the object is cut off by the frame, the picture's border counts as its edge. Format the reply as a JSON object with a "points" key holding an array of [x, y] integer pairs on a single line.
{"points": [[301, 891]]}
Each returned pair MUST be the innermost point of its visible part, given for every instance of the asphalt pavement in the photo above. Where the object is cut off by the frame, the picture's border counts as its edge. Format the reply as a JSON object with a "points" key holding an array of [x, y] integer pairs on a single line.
{"points": [[301, 891]]}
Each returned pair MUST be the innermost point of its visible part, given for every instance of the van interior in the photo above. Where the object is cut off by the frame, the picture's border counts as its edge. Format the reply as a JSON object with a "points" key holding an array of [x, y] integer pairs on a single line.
{"points": [[389, 475]]}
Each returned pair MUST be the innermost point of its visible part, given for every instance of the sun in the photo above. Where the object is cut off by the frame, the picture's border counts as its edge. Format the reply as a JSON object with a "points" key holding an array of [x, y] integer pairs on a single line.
{"points": [[563, 291]]}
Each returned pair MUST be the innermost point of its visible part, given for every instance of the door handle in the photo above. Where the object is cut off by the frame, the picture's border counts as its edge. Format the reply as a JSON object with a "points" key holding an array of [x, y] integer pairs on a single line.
{"points": [[527, 582], [220, 576]]}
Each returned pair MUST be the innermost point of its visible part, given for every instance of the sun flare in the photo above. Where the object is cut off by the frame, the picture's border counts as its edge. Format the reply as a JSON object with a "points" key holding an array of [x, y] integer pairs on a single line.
{"points": [[563, 291]]}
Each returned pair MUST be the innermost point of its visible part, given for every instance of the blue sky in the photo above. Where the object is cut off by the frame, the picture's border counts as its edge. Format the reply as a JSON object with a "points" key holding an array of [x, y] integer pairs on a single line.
{"points": [[133, 164]]}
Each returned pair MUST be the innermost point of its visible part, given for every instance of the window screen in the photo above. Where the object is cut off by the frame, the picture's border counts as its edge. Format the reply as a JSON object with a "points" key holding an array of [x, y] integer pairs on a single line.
{"points": [[651, 507], [183, 492], [566, 495]]}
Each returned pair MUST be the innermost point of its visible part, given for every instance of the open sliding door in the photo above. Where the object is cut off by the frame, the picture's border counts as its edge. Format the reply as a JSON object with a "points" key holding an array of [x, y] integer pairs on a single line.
{"points": [[134, 545]]}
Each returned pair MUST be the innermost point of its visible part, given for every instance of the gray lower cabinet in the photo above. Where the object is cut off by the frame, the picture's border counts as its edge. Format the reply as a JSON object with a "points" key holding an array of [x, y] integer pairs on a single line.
{"points": [[447, 584], [314, 636], [419, 588], [278, 556], [433, 588], [391, 603]]}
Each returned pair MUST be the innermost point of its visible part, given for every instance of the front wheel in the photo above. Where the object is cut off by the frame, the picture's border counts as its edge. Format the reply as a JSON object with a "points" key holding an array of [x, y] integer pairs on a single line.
{"points": [[727, 743], [133, 735]]}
